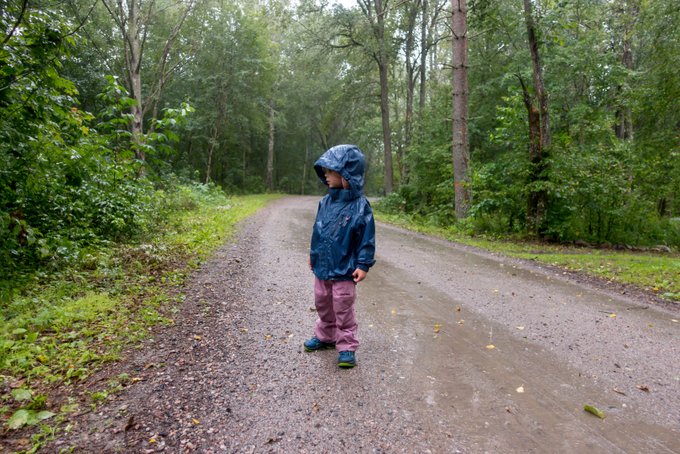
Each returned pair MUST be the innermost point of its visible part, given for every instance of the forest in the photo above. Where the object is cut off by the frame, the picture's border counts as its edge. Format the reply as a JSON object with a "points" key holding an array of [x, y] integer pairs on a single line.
{"points": [[555, 120]]}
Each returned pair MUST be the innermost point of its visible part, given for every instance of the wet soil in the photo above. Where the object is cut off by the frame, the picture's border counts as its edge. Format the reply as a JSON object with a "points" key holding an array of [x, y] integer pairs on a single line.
{"points": [[462, 351]]}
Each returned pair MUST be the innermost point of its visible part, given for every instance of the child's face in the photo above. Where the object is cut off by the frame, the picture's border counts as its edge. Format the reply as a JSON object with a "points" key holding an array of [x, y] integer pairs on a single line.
{"points": [[334, 179]]}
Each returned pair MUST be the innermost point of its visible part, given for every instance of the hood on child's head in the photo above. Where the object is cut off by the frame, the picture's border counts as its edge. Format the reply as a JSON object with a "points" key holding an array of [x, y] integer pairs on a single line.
{"points": [[348, 161]]}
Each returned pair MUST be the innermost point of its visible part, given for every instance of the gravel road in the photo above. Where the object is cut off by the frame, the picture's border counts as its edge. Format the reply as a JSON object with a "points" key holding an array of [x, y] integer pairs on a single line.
{"points": [[462, 351]]}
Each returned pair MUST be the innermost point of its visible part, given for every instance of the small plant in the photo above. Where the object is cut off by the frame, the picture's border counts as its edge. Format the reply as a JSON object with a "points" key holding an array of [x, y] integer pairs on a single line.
{"points": [[31, 413]]}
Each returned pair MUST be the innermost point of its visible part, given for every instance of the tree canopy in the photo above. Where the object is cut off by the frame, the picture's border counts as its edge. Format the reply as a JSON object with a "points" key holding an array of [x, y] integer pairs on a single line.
{"points": [[103, 104]]}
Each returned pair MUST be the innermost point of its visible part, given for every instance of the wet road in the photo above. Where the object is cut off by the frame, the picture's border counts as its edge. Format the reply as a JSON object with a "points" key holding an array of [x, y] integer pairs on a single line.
{"points": [[503, 357], [230, 374]]}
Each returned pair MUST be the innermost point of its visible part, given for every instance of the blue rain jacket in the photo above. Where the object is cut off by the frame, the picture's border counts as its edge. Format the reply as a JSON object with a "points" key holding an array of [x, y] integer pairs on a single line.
{"points": [[343, 238]]}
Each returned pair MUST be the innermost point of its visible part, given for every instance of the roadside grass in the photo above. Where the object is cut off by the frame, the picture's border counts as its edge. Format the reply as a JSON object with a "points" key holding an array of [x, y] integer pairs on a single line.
{"points": [[651, 271], [64, 326]]}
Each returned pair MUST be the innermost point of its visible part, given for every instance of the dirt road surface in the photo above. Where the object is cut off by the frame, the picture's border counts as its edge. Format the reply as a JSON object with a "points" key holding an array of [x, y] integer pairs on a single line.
{"points": [[231, 374]]}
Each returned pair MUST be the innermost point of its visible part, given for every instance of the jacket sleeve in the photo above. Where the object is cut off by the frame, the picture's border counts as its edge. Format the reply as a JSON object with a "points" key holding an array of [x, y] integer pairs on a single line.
{"points": [[366, 248]]}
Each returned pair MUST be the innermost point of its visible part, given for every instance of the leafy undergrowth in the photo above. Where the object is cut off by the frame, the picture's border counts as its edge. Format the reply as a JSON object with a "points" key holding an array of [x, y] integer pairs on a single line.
{"points": [[66, 325], [650, 271]]}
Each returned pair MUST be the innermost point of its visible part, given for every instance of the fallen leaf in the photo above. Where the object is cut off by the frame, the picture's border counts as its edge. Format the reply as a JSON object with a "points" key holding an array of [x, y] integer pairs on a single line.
{"points": [[195, 421], [243, 330], [595, 411], [644, 388], [197, 337], [520, 389], [152, 440], [490, 347], [461, 321], [437, 327], [612, 315], [674, 320], [267, 336], [458, 309], [394, 311], [520, 328], [619, 392]]}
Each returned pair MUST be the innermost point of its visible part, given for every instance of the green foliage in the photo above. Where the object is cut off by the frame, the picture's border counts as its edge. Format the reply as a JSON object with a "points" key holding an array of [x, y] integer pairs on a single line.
{"points": [[65, 325]]}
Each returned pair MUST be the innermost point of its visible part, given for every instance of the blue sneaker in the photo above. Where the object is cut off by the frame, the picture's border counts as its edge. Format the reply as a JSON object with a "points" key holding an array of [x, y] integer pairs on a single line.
{"points": [[314, 344], [346, 360]]}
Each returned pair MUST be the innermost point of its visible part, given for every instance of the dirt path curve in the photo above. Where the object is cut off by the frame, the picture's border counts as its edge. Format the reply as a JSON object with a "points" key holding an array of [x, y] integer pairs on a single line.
{"points": [[231, 375]]}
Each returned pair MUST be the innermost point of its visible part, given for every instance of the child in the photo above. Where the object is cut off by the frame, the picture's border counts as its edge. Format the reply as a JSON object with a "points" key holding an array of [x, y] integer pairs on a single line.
{"points": [[342, 249]]}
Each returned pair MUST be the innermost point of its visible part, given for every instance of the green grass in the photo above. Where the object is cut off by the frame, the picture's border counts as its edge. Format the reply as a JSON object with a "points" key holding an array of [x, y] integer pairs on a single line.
{"points": [[655, 272], [64, 326]]}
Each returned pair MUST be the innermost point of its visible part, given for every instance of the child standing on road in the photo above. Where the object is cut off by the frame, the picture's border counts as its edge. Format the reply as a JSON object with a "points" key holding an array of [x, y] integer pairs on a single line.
{"points": [[342, 250]]}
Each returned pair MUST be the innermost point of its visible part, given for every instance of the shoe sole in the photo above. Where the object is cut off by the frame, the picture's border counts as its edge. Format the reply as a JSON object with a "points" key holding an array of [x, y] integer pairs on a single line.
{"points": [[346, 365], [324, 347]]}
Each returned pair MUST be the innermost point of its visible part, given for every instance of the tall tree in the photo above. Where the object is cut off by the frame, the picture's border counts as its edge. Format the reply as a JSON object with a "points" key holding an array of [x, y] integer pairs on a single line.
{"points": [[538, 148], [461, 153], [627, 13], [133, 19], [375, 12]]}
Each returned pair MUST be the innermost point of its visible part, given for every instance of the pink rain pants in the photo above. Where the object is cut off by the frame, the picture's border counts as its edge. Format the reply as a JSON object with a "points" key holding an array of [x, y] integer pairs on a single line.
{"points": [[334, 301]]}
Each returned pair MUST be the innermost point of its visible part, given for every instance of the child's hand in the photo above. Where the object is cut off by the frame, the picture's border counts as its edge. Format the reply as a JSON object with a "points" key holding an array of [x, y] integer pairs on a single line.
{"points": [[359, 275]]}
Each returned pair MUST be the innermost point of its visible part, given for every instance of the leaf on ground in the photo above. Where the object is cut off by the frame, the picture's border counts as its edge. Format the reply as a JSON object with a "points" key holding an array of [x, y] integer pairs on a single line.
{"points": [[520, 390], [674, 320], [490, 347], [22, 394], [521, 328], [197, 337], [595, 411], [195, 421], [268, 336], [644, 388], [243, 330], [461, 321], [394, 311], [458, 309], [18, 420], [44, 415], [437, 327], [612, 315], [618, 391]]}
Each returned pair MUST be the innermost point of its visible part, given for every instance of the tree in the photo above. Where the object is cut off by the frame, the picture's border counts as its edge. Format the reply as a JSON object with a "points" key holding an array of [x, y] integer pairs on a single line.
{"points": [[133, 19], [538, 146], [375, 11], [461, 154]]}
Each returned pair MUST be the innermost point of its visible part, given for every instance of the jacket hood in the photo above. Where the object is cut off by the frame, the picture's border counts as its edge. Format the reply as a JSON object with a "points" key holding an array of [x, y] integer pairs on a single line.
{"points": [[348, 161]]}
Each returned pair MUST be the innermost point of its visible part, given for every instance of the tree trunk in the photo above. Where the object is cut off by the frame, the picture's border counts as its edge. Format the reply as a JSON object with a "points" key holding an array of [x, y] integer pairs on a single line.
{"points": [[412, 14], [383, 68], [537, 203], [461, 154], [305, 167], [213, 142], [133, 63], [539, 86], [270, 150], [624, 116], [423, 57], [536, 200]]}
